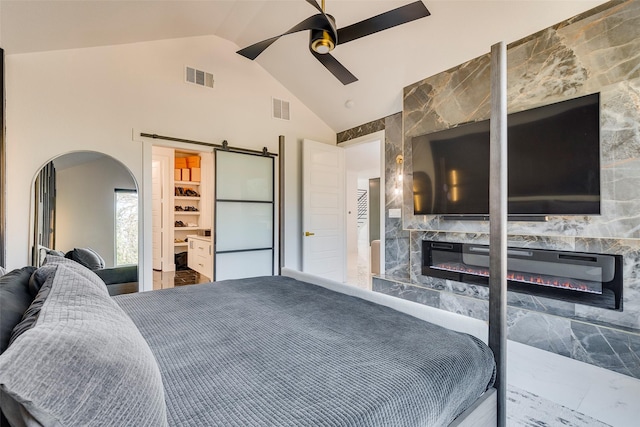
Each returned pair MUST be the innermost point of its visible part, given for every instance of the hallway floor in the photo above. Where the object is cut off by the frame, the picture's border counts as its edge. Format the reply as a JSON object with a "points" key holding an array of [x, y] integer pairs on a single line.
{"points": [[171, 279]]}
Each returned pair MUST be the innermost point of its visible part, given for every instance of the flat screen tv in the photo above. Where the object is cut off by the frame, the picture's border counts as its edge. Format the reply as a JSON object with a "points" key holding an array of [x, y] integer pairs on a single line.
{"points": [[553, 163]]}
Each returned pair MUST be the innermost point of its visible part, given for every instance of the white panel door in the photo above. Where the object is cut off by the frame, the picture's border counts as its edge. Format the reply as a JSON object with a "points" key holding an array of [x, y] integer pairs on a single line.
{"points": [[323, 210]]}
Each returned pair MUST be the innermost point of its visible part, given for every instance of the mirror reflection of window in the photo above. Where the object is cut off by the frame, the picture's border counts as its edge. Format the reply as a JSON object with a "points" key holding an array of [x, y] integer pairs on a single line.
{"points": [[126, 235]]}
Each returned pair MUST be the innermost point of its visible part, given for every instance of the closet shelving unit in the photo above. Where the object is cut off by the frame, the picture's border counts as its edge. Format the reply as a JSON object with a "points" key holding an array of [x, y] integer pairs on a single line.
{"points": [[186, 216]]}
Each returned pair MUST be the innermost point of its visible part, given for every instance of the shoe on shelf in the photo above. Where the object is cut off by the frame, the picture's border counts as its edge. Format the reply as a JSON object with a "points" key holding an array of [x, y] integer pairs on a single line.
{"points": [[180, 224], [179, 241], [180, 208]]}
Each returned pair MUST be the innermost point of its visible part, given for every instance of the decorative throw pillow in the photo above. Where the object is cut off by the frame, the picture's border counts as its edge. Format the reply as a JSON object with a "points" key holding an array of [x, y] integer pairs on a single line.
{"points": [[45, 274], [87, 257], [2, 271], [15, 299], [37, 279], [83, 362]]}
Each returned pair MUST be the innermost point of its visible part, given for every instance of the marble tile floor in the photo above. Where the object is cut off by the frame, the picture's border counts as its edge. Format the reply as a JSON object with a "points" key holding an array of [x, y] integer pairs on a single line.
{"points": [[170, 279], [525, 409], [546, 389]]}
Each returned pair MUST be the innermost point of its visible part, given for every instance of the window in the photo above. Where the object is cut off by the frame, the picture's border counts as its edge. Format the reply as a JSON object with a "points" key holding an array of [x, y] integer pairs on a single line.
{"points": [[126, 234]]}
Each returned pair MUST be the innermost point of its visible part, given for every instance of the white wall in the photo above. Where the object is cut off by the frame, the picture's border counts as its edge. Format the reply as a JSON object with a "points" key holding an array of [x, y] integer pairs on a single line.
{"points": [[92, 99], [351, 196], [85, 206]]}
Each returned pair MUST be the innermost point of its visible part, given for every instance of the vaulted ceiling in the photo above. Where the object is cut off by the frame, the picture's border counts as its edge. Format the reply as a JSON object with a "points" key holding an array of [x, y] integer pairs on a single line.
{"points": [[384, 63]]}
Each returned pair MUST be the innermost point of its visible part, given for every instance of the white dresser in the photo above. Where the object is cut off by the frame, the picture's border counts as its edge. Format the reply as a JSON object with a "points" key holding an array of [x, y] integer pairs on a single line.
{"points": [[200, 255]]}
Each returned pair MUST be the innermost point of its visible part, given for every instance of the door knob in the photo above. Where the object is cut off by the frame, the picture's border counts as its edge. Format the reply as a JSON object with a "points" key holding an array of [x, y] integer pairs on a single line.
{"points": [[308, 233]]}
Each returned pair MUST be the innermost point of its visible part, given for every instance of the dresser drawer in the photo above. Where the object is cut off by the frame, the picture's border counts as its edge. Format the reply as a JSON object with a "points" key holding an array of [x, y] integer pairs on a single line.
{"points": [[200, 255]]}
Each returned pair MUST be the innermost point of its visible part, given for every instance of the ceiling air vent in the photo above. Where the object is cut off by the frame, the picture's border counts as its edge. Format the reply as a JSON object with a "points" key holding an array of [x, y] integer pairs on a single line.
{"points": [[199, 77], [281, 109]]}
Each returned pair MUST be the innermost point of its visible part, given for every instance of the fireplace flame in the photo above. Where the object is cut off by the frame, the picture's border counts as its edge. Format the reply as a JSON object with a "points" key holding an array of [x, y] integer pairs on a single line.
{"points": [[542, 280]]}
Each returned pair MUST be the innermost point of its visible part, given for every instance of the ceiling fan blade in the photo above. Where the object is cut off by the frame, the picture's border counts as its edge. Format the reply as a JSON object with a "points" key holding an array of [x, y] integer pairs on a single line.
{"points": [[384, 21], [315, 22], [331, 22], [256, 49], [315, 4], [336, 68]]}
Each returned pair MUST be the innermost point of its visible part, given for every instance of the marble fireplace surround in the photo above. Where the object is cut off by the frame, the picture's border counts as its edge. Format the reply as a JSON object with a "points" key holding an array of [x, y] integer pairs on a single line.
{"points": [[598, 51]]}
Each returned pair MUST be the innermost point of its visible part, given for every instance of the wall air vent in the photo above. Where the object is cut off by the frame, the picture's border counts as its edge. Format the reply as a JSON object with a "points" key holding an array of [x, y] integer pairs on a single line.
{"points": [[198, 77], [281, 109]]}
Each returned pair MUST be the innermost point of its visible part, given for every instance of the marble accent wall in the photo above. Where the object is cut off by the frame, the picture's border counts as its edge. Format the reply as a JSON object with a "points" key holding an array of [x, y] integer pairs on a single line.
{"points": [[616, 349], [358, 131], [396, 239], [598, 51]]}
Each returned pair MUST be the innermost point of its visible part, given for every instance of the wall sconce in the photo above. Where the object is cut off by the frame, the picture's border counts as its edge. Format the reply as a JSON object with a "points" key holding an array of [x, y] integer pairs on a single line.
{"points": [[399, 174]]}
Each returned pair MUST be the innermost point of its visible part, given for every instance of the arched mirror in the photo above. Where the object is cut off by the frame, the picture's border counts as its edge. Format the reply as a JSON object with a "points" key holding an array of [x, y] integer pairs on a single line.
{"points": [[85, 207]]}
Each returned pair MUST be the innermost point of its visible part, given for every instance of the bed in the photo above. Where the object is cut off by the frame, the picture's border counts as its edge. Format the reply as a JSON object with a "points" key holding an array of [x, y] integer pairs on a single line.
{"points": [[270, 351]]}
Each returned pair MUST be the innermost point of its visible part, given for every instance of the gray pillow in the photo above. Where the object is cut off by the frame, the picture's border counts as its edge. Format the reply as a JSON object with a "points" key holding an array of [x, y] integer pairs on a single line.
{"points": [[82, 363], [30, 317], [15, 299], [37, 279], [87, 257]]}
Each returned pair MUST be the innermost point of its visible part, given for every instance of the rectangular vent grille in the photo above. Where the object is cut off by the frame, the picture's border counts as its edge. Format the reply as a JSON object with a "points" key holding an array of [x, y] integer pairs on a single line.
{"points": [[199, 77], [281, 109]]}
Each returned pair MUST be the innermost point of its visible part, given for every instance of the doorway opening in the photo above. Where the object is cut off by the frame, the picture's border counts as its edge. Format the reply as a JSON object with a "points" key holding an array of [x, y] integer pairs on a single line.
{"points": [[182, 215], [201, 194], [365, 208]]}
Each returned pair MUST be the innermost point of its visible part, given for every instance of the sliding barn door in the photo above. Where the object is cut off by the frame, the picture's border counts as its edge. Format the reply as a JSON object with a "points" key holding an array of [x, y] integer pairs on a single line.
{"points": [[244, 215]]}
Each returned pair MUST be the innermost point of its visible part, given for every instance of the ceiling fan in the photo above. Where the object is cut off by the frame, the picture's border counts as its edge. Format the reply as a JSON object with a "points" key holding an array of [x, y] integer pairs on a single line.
{"points": [[324, 36]]}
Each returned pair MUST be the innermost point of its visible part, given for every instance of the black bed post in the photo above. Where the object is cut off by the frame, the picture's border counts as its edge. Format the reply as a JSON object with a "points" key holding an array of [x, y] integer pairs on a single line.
{"points": [[280, 204], [3, 165], [498, 224]]}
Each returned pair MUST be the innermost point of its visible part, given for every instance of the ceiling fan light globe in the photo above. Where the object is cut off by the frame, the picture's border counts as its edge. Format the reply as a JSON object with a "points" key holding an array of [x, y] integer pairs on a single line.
{"points": [[322, 48]]}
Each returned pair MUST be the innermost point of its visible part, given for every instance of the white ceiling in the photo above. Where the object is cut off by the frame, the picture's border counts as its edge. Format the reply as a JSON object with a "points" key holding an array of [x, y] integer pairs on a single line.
{"points": [[386, 62]]}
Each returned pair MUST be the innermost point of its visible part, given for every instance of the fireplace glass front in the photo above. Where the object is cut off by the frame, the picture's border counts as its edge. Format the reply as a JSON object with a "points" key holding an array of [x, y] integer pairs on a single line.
{"points": [[584, 278]]}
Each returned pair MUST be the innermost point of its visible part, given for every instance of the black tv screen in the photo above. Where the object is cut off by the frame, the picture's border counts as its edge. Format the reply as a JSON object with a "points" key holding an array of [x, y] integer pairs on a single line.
{"points": [[553, 163]]}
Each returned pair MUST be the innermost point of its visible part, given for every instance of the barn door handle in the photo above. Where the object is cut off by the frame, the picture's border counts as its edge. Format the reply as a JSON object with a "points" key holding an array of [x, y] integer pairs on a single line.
{"points": [[308, 233]]}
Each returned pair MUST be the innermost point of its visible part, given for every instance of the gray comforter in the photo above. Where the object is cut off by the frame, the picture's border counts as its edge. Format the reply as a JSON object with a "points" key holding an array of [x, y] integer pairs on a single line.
{"points": [[274, 351]]}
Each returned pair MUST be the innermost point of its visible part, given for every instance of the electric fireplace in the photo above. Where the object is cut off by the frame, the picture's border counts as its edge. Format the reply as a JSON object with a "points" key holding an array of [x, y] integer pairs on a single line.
{"points": [[583, 278]]}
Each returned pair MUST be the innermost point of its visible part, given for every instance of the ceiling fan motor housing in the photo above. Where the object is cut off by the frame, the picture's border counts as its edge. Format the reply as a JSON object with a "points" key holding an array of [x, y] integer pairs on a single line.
{"points": [[323, 41]]}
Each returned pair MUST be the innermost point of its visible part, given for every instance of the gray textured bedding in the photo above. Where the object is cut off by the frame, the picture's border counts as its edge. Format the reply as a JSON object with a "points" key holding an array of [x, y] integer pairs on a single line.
{"points": [[274, 351]]}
